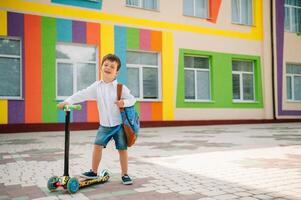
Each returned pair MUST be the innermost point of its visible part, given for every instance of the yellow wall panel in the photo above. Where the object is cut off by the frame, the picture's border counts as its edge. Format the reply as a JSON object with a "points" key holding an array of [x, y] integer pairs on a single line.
{"points": [[106, 42], [3, 103], [167, 76], [3, 112], [3, 23], [257, 30], [107, 39]]}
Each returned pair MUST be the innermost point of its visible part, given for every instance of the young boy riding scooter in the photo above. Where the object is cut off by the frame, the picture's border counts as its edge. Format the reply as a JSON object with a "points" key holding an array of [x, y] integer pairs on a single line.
{"points": [[104, 92]]}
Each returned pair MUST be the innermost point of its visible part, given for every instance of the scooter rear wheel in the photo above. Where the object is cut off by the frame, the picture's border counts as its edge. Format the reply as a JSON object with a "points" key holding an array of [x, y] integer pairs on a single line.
{"points": [[51, 184]]}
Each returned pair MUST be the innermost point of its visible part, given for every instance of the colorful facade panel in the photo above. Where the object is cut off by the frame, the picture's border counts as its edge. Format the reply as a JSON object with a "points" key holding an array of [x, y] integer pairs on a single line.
{"points": [[39, 36], [15, 28], [214, 6], [96, 4]]}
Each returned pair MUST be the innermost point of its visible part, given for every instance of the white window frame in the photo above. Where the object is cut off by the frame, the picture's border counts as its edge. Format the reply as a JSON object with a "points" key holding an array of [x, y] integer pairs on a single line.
{"points": [[290, 7], [292, 76], [141, 5], [140, 68], [194, 11], [240, 15], [240, 73], [75, 66], [195, 78], [20, 97]]}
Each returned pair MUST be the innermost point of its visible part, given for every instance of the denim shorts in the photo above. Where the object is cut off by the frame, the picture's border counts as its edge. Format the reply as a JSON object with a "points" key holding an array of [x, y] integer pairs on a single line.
{"points": [[105, 134]]}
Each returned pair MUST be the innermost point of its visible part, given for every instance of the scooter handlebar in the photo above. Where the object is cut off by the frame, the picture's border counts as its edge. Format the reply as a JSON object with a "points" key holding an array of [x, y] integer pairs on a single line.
{"points": [[72, 107]]}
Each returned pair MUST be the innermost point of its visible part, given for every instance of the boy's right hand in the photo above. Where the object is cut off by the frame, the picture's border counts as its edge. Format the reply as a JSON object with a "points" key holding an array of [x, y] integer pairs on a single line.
{"points": [[61, 105]]}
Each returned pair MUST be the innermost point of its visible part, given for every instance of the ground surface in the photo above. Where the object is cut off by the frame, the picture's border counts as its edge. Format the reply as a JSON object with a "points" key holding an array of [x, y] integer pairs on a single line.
{"points": [[202, 162]]}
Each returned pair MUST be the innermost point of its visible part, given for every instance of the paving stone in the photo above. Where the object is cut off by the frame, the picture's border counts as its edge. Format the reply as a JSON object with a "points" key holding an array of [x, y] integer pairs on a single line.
{"points": [[248, 198], [243, 194], [163, 191], [47, 198], [145, 189], [262, 196], [186, 192], [225, 197]]}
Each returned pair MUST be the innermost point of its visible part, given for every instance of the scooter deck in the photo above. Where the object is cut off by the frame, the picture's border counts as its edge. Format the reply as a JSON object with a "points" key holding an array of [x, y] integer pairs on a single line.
{"points": [[83, 182]]}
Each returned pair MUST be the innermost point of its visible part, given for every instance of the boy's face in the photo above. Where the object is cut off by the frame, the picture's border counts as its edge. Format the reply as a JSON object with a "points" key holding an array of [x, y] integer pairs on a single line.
{"points": [[109, 70]]}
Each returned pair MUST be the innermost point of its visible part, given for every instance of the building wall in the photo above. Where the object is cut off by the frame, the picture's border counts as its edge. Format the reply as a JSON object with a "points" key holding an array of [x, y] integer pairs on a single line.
{"points": [[114, 28]]}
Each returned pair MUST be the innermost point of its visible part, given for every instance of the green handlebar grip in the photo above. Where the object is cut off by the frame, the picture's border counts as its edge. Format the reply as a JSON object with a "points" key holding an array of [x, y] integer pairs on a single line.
{"points": [[72, 107]]}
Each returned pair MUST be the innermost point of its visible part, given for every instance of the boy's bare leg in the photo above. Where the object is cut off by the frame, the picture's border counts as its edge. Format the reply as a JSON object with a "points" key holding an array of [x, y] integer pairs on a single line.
{"points": [[123, 158], [96, 157]]}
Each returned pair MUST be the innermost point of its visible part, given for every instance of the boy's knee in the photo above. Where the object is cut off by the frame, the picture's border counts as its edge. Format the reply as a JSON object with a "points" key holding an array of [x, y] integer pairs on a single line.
{"points": [[97, 146]]}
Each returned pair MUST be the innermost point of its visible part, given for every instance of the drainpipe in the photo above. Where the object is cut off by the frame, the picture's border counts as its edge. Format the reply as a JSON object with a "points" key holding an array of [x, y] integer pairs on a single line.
{"points": [[272, 55]]}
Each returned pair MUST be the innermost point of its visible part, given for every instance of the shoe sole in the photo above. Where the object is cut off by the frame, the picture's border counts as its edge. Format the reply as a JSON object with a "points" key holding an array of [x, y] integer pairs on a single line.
{"points": [[127, 183]]}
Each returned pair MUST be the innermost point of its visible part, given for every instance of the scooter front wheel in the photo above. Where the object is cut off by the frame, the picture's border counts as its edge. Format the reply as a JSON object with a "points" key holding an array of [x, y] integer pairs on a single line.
{"points": [[73, 185]]}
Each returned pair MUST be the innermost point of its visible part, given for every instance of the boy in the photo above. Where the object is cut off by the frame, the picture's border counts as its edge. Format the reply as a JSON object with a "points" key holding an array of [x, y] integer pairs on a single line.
{"points": [[105, 92]]}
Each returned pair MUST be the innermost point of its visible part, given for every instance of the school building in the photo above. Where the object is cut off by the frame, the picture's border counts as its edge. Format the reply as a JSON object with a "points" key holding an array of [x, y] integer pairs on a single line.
{"points": [[186, 61]]}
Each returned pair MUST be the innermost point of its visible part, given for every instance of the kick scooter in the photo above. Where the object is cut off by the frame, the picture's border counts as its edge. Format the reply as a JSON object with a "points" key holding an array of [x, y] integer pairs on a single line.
{"points": [[72, 184]]}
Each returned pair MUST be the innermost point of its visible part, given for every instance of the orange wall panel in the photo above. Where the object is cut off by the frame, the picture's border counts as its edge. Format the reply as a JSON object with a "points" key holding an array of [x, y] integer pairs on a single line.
{"points": [[156, 41], [33, 69], [92, 111], [156, 111], [93, 37]]}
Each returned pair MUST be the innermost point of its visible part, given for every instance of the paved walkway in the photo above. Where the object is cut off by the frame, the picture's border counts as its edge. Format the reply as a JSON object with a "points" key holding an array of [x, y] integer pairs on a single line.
{"points": [[203, 162]]}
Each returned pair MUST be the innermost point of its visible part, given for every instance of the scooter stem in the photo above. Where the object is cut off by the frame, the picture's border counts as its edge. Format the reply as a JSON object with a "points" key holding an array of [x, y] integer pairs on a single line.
{"points": [[67, 141]]}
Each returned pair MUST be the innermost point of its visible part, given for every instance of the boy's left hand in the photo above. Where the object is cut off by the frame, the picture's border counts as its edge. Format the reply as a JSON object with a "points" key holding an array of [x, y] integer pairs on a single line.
{"points": [[120, 103]]}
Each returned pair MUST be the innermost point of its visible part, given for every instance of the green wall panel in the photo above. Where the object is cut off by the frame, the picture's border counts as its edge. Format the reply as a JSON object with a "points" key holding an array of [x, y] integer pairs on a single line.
{"points": [[137, 107], [221, 81], [132, 38], [49, 110]]}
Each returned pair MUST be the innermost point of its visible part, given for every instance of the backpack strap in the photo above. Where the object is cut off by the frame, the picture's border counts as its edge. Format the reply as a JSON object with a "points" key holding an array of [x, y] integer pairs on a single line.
{"points": [[119, 92]]}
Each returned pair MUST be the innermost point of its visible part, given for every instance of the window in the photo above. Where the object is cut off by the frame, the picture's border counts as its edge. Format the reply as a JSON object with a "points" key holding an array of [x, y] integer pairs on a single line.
{"points": [[76, 68], [293, 15], [143, 75], [293, 82], [243, 80], [10, 68], [146, 4], [242, 12], [197, 78], [196, 8]]}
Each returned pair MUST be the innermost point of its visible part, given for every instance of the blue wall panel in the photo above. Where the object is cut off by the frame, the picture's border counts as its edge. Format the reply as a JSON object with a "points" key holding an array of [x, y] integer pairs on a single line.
{"points": [[64, 30], [120, 51]]}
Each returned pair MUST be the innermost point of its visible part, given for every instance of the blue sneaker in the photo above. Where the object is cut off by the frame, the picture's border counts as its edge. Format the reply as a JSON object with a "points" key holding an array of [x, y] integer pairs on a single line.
{"points": [[89, 175], [126, 180]]}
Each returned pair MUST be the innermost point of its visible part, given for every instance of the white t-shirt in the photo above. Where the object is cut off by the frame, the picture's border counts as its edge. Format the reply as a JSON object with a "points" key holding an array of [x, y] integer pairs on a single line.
{"points": [[106, 96]]}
